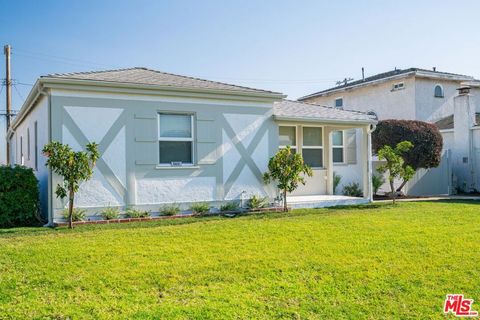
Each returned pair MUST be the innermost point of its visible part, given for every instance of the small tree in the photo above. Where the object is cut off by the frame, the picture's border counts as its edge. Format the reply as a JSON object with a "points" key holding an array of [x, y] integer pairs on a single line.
{"points": [[73, 167], [377, 182], [425, 137], [287, 169], [395, 164]]}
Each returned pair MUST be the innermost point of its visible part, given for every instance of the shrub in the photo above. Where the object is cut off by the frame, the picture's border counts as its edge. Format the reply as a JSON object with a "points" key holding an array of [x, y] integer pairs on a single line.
{"points": [[110, 213], [256, 202], [169, 210], [19, 197], [77, 214], [377, 182], [425, 137], [352, 190], [229, 206], [199, 208], [135, 213], [336, 181]]}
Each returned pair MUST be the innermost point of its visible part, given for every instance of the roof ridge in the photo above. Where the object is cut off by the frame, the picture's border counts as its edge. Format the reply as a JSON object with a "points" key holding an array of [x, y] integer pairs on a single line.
{"points": [[206, 80], [90, 72]]}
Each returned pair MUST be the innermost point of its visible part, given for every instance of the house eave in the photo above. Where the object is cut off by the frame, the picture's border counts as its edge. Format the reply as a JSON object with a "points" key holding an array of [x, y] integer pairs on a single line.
{"points": [[324, 120]]}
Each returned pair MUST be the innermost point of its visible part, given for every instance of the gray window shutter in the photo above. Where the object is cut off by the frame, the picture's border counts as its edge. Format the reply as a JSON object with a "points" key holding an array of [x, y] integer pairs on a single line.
{"points": [[351, 146]]}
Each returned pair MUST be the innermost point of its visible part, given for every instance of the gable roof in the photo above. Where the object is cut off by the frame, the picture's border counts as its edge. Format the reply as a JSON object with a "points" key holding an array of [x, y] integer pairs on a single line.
{"points": [[391, 74], [145, 76], [302, 111], [448, 122]]}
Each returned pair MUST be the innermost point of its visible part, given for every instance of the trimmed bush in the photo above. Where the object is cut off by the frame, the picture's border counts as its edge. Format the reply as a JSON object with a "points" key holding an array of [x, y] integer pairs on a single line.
{"points": [[425, 137], [170, 210], [19, 197], [377, 182], [77, 214]]}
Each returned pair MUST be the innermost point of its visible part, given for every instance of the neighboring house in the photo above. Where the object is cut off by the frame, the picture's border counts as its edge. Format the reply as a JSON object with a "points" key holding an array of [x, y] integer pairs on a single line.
{"points": [[166, 138], [461, 138], [412, 94]]}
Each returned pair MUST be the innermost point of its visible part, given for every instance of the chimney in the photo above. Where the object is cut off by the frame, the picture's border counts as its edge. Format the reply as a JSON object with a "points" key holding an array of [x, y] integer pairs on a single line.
{"points": [[463, 90]]}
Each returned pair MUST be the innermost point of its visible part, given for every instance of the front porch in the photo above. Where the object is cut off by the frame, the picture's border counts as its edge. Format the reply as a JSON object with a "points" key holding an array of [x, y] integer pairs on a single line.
{"points": [[323, 201]]}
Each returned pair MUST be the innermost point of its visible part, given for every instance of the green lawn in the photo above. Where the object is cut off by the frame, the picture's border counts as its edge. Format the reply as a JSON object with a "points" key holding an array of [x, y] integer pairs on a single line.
{"points": [[368, 262]]}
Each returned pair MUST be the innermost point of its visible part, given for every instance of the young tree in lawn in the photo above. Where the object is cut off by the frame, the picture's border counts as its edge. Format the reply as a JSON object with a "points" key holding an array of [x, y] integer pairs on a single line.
{"points": [[288, 170], [425, 137], [395, 164], [73, 167]]}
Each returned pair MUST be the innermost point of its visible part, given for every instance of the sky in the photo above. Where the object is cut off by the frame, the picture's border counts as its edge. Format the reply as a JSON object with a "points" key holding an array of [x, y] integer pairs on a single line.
{"points": [[294, 47]]}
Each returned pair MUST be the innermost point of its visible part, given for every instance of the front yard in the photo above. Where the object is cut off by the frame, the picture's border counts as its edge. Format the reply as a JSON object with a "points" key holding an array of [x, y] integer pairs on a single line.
{"points": [[369, 262]]}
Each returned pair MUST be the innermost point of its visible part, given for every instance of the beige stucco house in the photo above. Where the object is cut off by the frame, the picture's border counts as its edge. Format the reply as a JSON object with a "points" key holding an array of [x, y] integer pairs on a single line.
{"points": [[166, 138]]}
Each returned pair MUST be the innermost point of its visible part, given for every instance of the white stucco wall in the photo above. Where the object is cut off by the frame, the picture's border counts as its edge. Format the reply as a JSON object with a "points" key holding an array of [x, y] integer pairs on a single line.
{"points": [[430, 108], [380, 98], [40, 115]]}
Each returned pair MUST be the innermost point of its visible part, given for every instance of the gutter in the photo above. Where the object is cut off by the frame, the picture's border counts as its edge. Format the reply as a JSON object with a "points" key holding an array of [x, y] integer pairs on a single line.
{"points": [[324, 120]]}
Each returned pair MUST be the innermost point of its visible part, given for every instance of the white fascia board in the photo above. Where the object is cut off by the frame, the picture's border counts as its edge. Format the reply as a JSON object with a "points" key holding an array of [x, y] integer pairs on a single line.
{"points": [[325, 120], [29, 103]]}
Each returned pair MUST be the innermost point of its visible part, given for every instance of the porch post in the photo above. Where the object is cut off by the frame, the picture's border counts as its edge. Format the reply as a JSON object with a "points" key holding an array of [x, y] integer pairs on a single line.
{"points": [[367, 163], [328, 159]]}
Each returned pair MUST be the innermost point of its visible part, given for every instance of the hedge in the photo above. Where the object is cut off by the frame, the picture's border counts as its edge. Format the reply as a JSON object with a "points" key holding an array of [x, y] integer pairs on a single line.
{"points": [[19, 197], [425, 137]]}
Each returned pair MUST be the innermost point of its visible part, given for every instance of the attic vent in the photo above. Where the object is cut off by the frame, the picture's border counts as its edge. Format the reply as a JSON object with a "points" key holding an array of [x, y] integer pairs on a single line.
{"points": [[398, 86]]}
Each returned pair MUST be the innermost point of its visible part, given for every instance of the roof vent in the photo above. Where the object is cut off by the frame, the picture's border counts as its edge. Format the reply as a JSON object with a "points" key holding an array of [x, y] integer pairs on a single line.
{"points": [[434, 69]]}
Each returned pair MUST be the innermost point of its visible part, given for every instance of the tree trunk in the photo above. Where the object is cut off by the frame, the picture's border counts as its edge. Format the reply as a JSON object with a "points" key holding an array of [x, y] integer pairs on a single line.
{"points": [[393, 194], [404, 182], [70, 209], [285, 207]]}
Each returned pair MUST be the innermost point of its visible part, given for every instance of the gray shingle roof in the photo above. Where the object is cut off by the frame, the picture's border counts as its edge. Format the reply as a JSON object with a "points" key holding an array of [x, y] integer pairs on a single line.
{"points": [[307, 111], [145, 76], [385, 75], [448, 122]]}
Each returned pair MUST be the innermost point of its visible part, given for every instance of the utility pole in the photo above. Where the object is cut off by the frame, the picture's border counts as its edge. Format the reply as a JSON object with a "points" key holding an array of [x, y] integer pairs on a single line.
{"points": [[8, 94]]}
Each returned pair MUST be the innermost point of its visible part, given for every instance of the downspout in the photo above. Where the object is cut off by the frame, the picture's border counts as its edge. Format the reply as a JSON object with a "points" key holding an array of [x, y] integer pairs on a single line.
{"points": [[370, 129]]}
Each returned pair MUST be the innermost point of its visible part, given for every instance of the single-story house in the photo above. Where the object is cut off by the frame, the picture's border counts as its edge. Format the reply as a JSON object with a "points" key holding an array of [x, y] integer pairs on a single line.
{"points": [[167, 138]]}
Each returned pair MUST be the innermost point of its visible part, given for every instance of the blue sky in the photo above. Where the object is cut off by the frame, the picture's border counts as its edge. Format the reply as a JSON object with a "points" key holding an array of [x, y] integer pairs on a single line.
{"points": [[295, 47]]}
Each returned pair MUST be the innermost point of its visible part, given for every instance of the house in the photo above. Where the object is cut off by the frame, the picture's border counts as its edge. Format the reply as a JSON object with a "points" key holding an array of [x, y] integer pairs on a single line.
{"points": [[461, 139], [412, 94], [167, 138]]}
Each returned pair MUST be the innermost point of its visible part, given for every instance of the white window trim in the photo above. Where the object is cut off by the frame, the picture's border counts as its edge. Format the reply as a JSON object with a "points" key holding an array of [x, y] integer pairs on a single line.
{"points": [[335, 104], [191, 139], [314, 147], [397, 84], [434, 89], [295, 147], [338, 147]]}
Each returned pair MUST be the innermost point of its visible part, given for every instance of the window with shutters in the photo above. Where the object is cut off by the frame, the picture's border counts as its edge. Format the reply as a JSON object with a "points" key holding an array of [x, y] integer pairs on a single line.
{"points": [[338, 150], [175, 139]]}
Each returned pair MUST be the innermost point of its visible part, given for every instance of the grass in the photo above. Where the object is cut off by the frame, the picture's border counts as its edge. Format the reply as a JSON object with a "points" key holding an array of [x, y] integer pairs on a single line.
{"points": [[365, 262]]}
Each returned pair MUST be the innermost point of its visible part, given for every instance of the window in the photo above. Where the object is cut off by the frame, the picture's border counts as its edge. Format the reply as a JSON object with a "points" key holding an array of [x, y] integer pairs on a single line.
{"points": [[312, 147], [339, 103], [175, 139], [337, 147], [35, 143], [398, 86], [438, 92], [28, 144], [288, 137]]}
